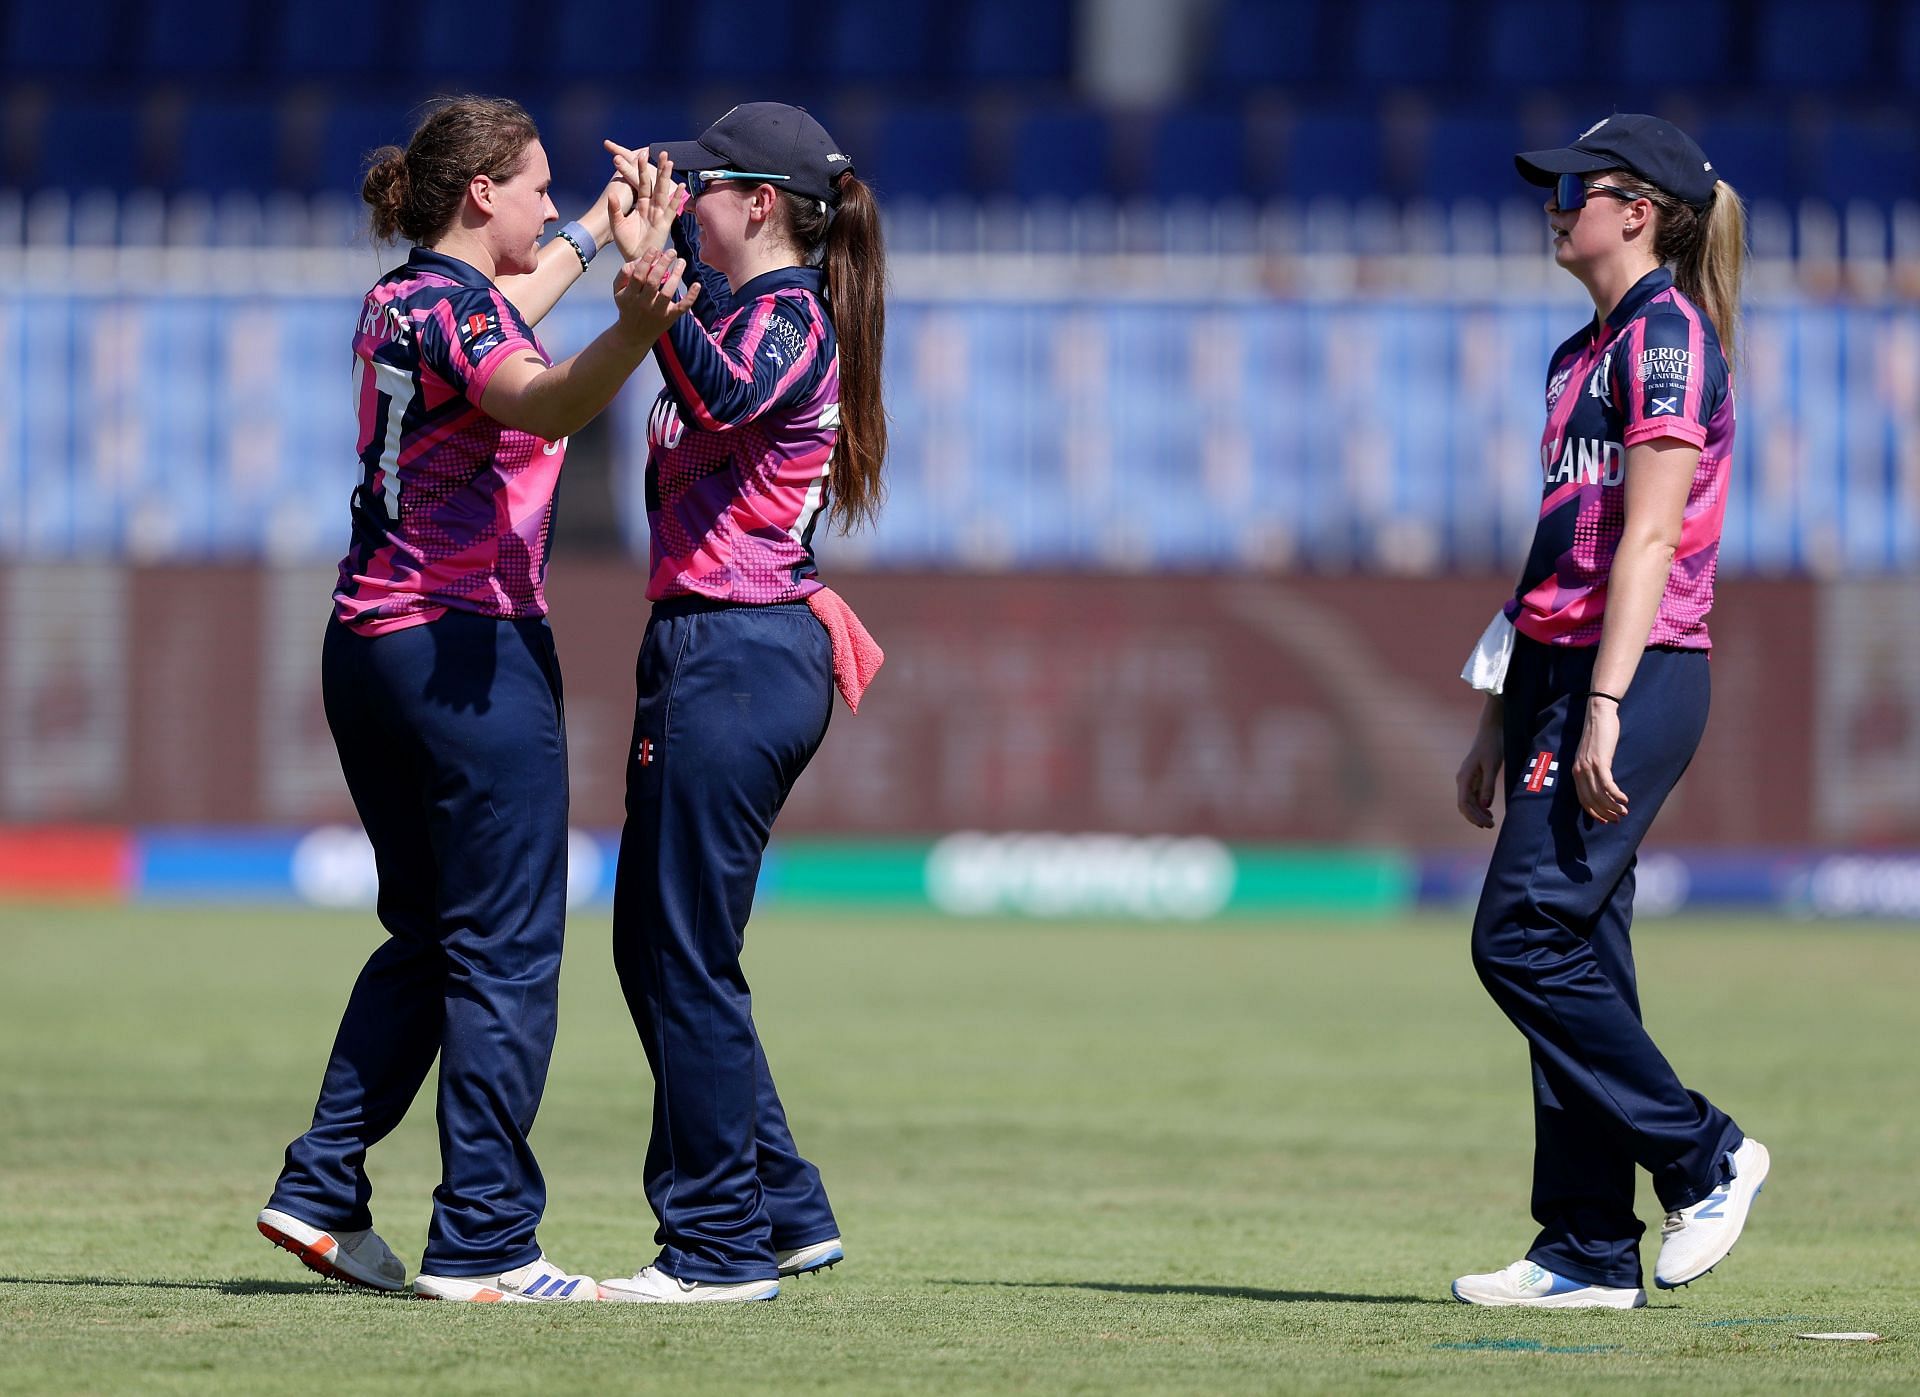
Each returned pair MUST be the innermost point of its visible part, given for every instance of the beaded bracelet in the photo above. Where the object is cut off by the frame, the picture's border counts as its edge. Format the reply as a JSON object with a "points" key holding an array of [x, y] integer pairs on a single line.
{"points": [[581, 241]]}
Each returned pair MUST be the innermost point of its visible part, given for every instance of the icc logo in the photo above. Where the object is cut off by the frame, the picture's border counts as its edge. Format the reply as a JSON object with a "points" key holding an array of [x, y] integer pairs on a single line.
{"points": [[664, 427]]}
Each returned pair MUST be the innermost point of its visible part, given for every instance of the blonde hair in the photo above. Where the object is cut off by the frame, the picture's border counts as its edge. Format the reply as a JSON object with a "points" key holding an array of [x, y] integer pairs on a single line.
{"points": [[1706, 248]]}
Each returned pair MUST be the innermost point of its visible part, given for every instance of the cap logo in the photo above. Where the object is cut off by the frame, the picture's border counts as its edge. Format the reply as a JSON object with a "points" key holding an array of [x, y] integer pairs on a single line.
{"points": [[1708, 166], [1591, 129], [837, 159]]}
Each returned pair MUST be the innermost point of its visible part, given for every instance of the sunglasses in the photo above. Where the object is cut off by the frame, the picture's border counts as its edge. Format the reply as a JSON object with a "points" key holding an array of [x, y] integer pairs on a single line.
{"points": [[698, 180], [1570, 193]]}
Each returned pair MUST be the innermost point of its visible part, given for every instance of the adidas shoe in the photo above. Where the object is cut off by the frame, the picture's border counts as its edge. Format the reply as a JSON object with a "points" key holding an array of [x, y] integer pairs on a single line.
{"points": [[652, 1286], [358, 1258], [1529, 1283], [1696, 1239], [537, 1280], [801, 1261]]}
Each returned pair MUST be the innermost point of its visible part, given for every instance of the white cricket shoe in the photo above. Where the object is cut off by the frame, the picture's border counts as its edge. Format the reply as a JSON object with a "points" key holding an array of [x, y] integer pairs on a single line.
{"points": [[1529, 1283], [358, 1258], [537, 1280], [1696, 1239], [803, 1261], [652, 1286]]}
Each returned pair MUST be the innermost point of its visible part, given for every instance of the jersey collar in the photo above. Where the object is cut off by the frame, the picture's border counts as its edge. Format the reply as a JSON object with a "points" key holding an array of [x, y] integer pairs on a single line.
{"points": [[427, 260], [1642, 291], [780, 279]]}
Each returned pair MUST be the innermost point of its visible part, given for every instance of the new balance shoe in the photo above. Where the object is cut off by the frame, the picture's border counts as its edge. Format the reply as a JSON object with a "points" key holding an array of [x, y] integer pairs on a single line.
{"points": [[1696, 1239], [358, 1258], [537, 1280], [801, 1261], [1529, 1283], [652, 1286]]}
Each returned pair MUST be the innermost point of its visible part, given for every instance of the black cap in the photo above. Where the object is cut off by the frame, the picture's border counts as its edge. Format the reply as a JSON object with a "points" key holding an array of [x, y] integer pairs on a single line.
{"points": [[1656, 150], [768, 138]]}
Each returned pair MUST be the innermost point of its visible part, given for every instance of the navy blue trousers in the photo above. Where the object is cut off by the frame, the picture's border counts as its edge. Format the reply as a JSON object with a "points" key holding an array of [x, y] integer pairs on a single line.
{"points": [[451, 740], [732, 703], [1551, 944]]}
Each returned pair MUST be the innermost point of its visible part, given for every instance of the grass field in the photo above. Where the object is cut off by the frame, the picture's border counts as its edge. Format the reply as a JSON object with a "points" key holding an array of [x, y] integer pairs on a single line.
{"points": [[1067, 1158]]}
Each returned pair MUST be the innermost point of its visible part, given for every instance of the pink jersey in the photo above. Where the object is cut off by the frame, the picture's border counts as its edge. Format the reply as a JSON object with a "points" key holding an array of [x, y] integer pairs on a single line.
{"points": [[1654, 369], [740, 441], [453, 509]]}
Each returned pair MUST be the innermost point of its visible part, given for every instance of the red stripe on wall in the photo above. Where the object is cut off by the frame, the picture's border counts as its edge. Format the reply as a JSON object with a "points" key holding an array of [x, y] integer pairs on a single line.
{"points": [[55, 861]]}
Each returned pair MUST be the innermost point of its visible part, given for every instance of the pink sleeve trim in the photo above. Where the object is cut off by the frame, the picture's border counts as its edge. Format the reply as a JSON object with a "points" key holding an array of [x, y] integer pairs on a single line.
{"points": [[1653, 428]]}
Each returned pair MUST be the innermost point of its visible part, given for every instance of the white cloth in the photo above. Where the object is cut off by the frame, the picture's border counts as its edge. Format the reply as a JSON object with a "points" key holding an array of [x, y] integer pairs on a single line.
{"points": [[1486, 667]]}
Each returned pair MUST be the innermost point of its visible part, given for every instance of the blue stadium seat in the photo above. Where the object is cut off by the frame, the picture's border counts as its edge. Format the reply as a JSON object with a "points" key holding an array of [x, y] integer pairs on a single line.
{"points": [[1196, 151], [340, 38], [1398, 42], [469, 45], [924, 151], [580, 164], [1471, 156], [72, 36], [719, 45], [354, 127], [1872, 159], [1646, 38], [1530, 44], [1815, 45], [91, 143], [195, 37], [228, 144], [1757, 155], [1907, 47], [595, 39], [1259, 42], [874, 40], [1063, 151], [1334, 152], [1012, 40]]}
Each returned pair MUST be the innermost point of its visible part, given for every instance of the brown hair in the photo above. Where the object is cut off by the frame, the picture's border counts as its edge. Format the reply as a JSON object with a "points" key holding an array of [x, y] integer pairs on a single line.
{"points": [[416, 192], [847, 242], [1707, 249]]}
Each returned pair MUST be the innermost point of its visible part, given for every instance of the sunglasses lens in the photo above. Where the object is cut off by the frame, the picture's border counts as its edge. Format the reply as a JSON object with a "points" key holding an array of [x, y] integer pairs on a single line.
{"points": [[1570, 193]]}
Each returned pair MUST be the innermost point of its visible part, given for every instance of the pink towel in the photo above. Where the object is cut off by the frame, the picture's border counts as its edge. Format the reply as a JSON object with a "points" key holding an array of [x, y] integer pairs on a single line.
{"points": [[857, 656]]}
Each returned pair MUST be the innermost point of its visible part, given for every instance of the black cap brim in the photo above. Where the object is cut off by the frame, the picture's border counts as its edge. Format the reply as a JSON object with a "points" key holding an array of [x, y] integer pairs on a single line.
{"points": [[1543, 167], [690, 155]]}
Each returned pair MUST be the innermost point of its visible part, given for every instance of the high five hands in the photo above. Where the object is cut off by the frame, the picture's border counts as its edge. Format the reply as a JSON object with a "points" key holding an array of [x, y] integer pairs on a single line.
{"points": [[645, 289]]}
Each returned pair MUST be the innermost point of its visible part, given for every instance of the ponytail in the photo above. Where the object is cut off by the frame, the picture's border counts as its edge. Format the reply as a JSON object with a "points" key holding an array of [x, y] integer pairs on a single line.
{"points": [[852, 250], [1706, 248]]}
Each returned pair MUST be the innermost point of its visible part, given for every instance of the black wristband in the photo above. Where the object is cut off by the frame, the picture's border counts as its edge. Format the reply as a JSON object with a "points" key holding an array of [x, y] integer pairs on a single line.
{"points": [[1595, 693]]}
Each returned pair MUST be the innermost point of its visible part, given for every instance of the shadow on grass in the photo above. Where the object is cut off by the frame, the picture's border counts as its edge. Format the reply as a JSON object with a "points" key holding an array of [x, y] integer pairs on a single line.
{"points": [[233, 1287], [1222, 1292]]}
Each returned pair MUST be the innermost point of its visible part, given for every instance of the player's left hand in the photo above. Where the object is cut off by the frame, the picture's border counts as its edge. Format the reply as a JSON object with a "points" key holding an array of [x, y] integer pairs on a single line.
{"points": [[1593, 763]]}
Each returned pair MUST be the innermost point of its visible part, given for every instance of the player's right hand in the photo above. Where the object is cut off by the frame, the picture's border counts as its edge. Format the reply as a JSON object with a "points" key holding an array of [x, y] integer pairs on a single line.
{"points": [[1479, 777]]}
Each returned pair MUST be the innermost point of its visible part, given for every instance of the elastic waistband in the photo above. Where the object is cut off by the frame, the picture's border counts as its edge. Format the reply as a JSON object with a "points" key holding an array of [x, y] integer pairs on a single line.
{"points": [[693, 606]]}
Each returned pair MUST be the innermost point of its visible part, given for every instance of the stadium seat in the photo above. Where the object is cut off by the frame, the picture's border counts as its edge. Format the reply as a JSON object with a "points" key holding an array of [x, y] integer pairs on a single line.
{"points": [[1470, 156], [1641, 36], [580, 164], [1757, 155], [1804, 45], [1262, 42], [92, 143], [352, 129], [1199, 152], [195, 38], [595, 39], [468, 45], [227, 145], [1907, 48], [73, 36], [1872, 159], [1401, 42], [1334, 151], [880, 40], [923, 151], [775, 50], [1531, 45], [339, 39], [1013, 40], [1063, 152]]}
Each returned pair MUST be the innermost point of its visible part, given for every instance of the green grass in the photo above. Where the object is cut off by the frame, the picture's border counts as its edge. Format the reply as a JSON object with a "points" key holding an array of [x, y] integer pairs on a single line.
{"points": [[1067, 1158]]}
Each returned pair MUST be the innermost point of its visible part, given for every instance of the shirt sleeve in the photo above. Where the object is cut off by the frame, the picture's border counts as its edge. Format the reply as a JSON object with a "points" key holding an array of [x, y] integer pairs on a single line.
{"points": [[769, 355], [1665, 379], [468, 336]]}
